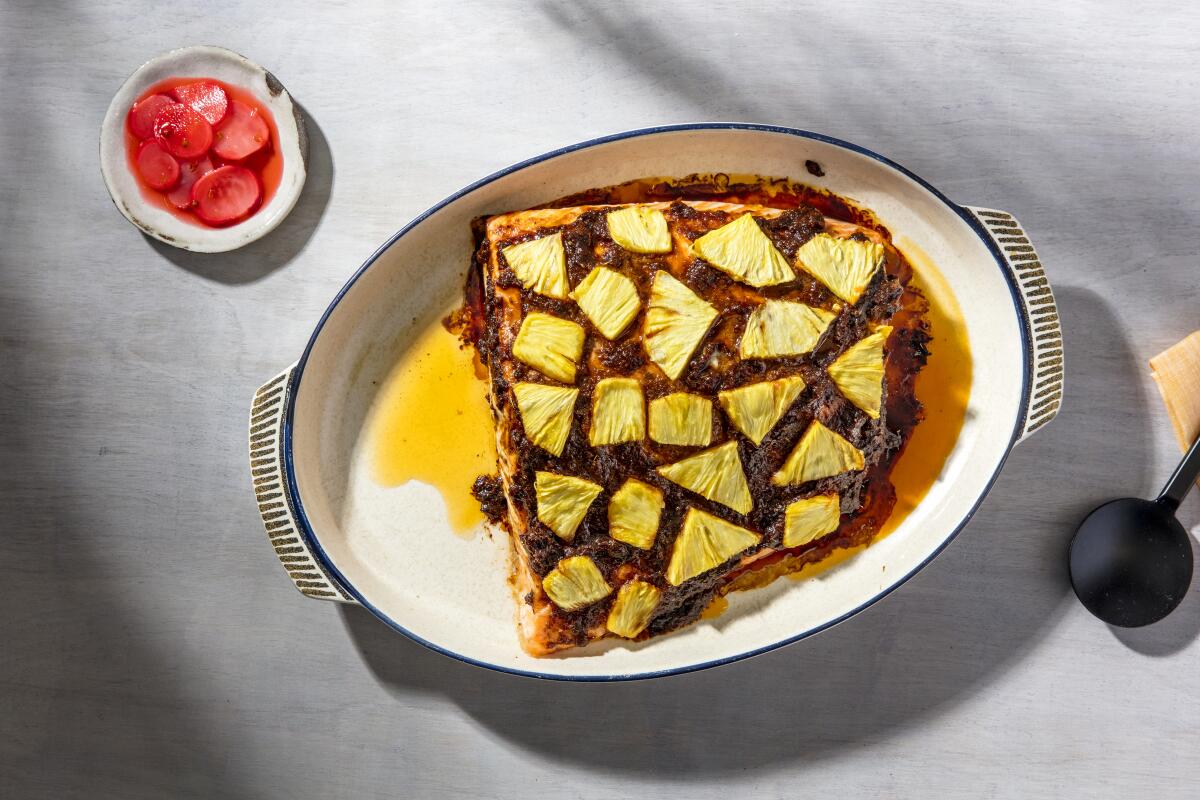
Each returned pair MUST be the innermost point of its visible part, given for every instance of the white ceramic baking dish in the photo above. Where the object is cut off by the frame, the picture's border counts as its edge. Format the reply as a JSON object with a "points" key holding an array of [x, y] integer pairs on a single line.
{"points": [[342, 537]]}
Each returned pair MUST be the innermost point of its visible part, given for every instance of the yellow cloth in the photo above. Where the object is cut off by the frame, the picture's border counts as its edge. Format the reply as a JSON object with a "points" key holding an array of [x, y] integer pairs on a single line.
{"points": [[1176, 370]]}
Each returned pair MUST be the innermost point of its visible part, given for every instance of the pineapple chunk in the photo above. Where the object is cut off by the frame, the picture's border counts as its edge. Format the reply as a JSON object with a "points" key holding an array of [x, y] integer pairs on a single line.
{"points": [[858, 372], [609, 299], [618, 412], [716, 474], [676, 322], [546, 414], [754, 409], [540, 265], [575, 583], [744, 251], [633, 514], [780, 328], [705, 542], [820, 453], [811, 518], [563, 501], [682, 419], [846, 266], [631, 611], [640, 230], [549, 345]]}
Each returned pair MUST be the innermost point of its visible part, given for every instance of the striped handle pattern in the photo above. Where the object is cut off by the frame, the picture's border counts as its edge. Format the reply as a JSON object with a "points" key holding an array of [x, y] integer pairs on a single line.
{"points": [[1041, 316], [275, 503]]}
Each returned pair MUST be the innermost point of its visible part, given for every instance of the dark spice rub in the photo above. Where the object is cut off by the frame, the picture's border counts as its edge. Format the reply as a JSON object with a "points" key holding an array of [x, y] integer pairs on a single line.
{"points": [[497, 301]]}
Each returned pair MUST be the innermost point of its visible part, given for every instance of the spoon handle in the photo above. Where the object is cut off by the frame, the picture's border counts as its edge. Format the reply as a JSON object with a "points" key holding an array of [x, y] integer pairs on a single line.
{"points": [[1181, 482]]}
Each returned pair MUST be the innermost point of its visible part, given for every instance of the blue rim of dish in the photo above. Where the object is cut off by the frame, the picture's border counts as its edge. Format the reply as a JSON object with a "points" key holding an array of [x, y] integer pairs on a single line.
{"points": [[294, 383]]}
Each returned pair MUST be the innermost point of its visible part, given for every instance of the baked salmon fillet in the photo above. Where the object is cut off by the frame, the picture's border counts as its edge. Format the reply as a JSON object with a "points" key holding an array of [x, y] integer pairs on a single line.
{"points": [[689, 397]]}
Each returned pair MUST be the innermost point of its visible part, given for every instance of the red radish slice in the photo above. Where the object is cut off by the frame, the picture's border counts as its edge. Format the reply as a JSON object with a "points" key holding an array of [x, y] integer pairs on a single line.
{"points": [[226, 195], [189, 173], [243, 132], [141, 116], [156, 166], [182, 131], [206, 97]]}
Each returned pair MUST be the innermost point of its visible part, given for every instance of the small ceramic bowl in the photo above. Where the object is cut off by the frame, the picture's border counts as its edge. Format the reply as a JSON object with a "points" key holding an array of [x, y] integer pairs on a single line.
{"points": [[236, 70]]}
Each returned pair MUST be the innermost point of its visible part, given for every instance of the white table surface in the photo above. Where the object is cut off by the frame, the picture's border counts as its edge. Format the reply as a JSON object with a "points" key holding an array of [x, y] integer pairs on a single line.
{"points": [[150, 644]]}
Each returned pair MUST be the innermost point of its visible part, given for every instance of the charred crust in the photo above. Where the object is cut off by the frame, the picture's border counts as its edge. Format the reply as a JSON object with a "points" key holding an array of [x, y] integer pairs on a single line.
{"points": [[624, 357], [793, 228], [489, 491]]}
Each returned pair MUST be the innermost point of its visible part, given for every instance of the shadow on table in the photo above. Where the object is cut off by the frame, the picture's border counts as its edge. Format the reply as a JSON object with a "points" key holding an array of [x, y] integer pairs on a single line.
{"points": [[89, 699], [963, 622], [273, 251]]}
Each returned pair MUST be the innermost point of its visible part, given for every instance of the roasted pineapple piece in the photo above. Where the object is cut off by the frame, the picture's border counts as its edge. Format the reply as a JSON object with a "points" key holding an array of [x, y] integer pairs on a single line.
{"points": [[550, 345], [546, 414], [858, 372], [716, 474], [743, 251], [705, 542], [820, 453], [609, 299], [676, 322], [780, 328], [575, 583], [682, 419], [845, 266], [811, 518], [618, 412], [540, 265], [640, 230], [633, 514], [754, 409], [631, 611], [563, 501]]}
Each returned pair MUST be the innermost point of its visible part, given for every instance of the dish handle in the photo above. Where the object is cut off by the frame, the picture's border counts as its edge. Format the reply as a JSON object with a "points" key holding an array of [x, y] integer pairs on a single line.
{"points": [[1039, 315], [276, 505]]}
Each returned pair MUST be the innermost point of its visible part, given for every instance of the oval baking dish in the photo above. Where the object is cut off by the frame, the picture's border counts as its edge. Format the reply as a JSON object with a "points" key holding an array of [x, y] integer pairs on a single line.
{"points": [[343, 537]]}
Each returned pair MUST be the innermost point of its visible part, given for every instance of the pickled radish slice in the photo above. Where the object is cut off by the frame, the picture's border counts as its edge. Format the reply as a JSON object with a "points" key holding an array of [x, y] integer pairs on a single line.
{"points": [[207, 98], [189, 173], [242, 132], [156, 166], [141, 116], [182, 168], [226, 195], [183, 131]]}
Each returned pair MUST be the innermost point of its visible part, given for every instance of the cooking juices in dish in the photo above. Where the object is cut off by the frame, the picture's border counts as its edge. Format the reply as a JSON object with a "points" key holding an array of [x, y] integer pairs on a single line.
{"points": [[433, 390], [203, 150]]}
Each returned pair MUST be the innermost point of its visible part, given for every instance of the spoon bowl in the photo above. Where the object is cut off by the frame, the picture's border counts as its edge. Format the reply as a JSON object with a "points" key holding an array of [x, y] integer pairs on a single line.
{"points": [[1131, 562]]}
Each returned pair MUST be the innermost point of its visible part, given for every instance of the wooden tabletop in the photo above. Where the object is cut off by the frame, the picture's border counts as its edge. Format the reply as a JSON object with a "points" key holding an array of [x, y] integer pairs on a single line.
{"points": [[151, 644]]}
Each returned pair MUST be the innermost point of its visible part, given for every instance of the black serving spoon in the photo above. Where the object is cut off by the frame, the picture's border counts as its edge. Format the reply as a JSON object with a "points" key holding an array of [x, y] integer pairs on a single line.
{"points": [[1131, 560]]}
